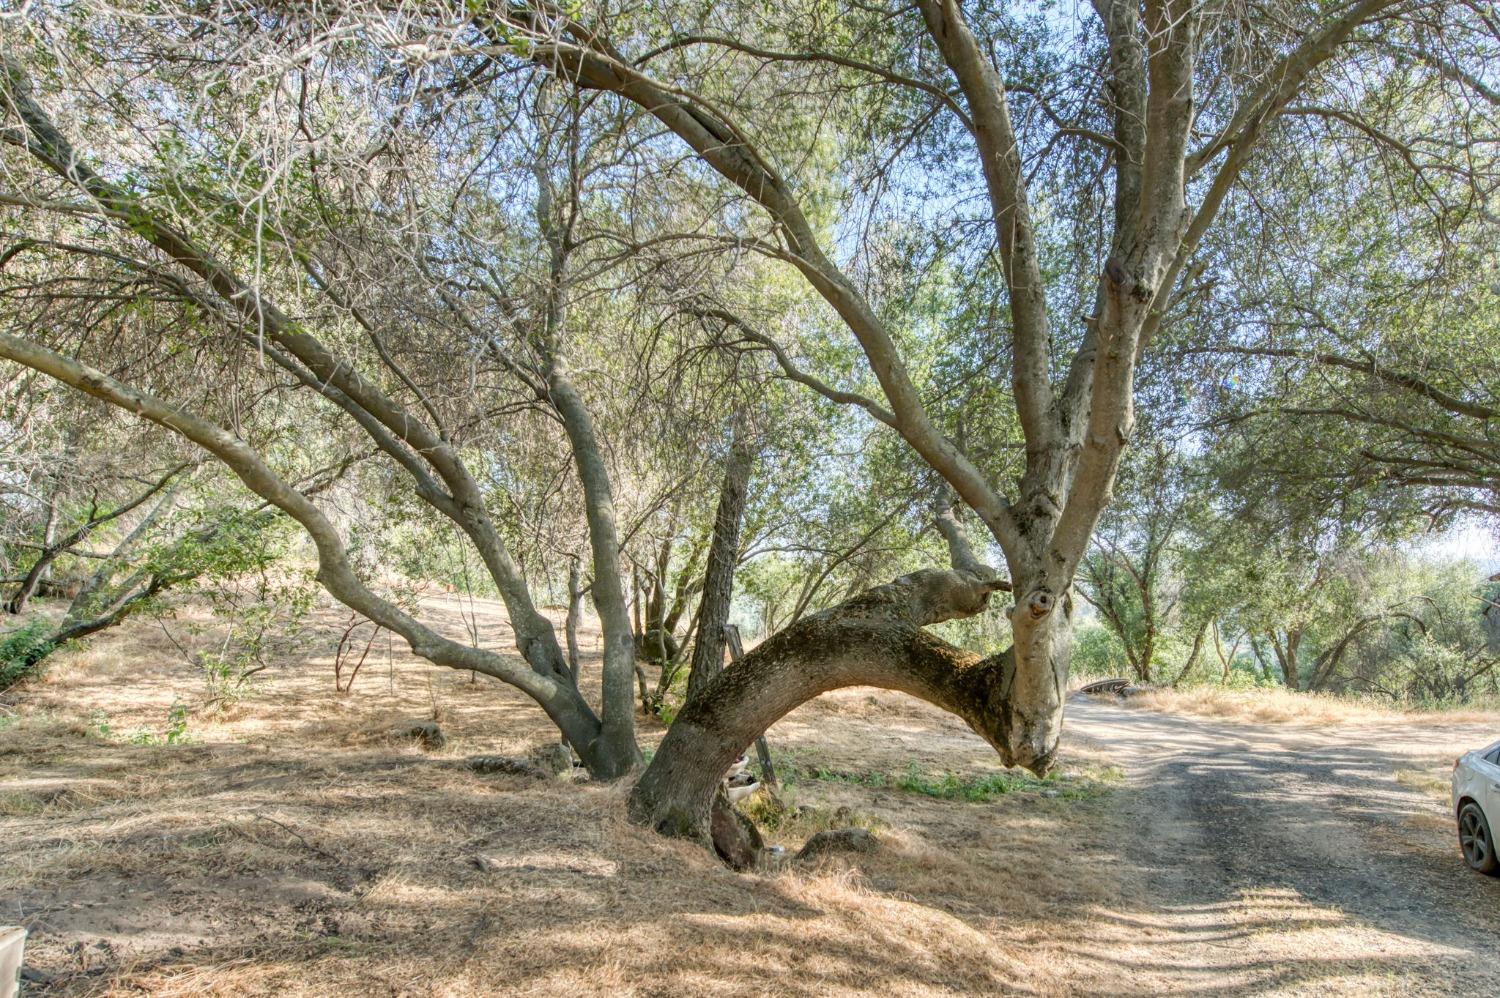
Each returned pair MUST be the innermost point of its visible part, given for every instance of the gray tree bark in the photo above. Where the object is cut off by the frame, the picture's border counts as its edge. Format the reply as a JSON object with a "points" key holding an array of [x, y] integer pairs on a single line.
{"points": [[723, 557], [616, 749], [575, 611], [876, 639]]}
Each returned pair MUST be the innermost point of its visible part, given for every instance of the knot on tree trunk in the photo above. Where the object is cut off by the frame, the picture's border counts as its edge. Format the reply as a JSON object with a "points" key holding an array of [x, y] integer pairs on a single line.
{"points": [[1041, 602]]}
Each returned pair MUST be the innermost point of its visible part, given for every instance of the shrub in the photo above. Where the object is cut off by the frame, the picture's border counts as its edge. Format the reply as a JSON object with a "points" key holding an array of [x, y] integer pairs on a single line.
{"points": [[22, 651], [1097, 653], [175, 732]]}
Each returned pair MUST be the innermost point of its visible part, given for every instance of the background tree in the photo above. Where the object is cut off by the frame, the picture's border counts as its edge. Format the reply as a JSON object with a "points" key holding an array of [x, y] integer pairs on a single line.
{"points": [[1132, 576]]}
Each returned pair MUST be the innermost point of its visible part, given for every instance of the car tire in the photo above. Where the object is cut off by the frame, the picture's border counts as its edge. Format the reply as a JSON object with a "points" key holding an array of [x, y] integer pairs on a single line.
{"points": [[1475, 840]]}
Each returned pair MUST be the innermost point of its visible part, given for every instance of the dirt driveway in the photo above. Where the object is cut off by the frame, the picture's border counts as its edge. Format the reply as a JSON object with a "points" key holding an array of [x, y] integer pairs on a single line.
{"points": [[1293, 859]]}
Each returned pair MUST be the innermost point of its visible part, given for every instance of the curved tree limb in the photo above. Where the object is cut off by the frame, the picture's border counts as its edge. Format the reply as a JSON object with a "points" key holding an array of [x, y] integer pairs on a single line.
{"points": [[875, 639], [335, 573], [535, 636]]}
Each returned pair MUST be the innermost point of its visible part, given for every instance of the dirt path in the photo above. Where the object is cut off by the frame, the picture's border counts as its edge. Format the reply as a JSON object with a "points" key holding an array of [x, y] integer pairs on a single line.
{"points": [[1291, 859]]}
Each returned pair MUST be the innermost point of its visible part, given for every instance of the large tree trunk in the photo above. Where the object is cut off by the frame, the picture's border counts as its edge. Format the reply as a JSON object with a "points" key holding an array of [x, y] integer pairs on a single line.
{"points": [[875, 639], [723, 557], [1032, 702], [616, 752]]}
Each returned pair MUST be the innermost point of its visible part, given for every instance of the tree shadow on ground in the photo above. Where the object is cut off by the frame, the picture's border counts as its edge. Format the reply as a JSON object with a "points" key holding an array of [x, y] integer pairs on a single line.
{"points": [[305, 854]]}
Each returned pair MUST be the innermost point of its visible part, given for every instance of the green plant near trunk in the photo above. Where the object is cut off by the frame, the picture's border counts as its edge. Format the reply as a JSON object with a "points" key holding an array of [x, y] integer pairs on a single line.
{"points": [[22, 650]]}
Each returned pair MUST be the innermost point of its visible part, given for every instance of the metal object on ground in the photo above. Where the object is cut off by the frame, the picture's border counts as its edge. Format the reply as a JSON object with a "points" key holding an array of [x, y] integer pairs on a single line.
{"points": [[1113, 686], [12, 945]]}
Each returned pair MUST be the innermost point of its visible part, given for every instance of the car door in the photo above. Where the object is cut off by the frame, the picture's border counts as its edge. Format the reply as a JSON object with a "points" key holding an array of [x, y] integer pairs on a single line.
{"points": [[1488, 771]]}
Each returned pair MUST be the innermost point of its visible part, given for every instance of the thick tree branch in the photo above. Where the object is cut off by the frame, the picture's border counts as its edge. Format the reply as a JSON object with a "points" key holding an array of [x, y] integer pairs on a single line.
{"points": [[335, 572], [1000, 158]]}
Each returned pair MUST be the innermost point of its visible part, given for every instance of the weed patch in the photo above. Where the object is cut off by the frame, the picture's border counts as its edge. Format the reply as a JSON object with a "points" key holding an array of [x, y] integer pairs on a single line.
{"points": [[784, 817], [1432, 782], [22, 649], [974, 789]]}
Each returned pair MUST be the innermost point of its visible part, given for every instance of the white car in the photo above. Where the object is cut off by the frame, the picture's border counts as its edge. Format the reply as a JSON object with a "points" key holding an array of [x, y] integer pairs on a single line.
{"points": [[1476, 803]]}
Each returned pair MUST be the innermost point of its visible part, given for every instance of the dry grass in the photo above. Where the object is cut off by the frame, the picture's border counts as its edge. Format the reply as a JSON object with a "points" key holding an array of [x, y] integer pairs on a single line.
{"points": [[1282, 706], [289, 847], [1434, 779]]}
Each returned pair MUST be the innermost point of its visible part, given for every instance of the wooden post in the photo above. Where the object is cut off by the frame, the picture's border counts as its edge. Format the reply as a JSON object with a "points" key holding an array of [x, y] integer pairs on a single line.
{"points": [[12, 945], [762, 750]]}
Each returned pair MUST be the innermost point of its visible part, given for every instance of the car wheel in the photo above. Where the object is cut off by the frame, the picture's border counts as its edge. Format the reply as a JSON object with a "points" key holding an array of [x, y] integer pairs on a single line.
{"points": [[1475, 840]]}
